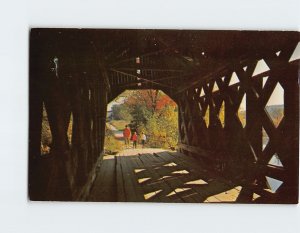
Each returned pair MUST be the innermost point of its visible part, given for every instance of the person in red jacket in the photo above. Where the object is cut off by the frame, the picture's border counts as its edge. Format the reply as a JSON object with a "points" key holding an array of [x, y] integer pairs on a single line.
{"points": [[134, 139], [126, 135]]}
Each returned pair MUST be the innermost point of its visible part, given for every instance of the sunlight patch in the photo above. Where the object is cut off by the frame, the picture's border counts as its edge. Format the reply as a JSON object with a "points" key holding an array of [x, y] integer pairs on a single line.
{"points": [[255, 196], [139, 170], [170, 164], [178, 190], [228, 196], [181, 172], [164, 177], [152, 194], [199, 182], [142, 180], [238, 188], [70, 129], [212, 199], [46, 134], [222, 114], [206, 117]]}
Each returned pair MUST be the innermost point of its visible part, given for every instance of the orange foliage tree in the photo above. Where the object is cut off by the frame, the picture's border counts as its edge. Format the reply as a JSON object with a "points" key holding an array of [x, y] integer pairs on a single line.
{"points": [[156, 114]]}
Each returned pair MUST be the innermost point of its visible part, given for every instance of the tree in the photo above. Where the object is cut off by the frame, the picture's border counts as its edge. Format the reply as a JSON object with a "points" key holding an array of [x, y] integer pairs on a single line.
{"points": [[156, 114], [121, 112]]}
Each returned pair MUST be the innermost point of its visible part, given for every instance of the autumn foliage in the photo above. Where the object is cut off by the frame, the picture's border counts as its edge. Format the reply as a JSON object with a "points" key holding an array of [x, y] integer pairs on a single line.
{"points": [[152, 112]]}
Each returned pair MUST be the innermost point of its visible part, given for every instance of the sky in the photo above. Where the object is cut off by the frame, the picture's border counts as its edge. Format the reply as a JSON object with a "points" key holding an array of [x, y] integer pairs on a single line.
{"points": [[119, 100]]}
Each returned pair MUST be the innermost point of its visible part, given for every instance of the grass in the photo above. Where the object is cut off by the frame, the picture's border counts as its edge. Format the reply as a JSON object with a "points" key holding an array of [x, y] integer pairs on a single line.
{"points": [[112, 145]]}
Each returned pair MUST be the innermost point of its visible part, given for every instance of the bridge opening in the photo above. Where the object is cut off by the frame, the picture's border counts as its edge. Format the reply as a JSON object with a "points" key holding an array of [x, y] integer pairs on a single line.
{"points": [[46, 133], [150, 114]]}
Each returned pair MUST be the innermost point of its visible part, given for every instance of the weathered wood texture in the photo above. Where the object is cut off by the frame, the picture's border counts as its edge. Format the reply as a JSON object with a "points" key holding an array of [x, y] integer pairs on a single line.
{"points": [[208, 73], [58, 79], [156, 175], [104, 188], [233, 146]]}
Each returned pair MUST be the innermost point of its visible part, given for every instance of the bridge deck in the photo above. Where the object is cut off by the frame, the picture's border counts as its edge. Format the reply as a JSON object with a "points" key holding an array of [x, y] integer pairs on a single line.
{"points": [[155, 175]]}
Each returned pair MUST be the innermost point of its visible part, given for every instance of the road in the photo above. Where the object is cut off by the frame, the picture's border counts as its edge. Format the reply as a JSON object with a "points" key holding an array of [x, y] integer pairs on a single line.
{"points": [[118, 134]]}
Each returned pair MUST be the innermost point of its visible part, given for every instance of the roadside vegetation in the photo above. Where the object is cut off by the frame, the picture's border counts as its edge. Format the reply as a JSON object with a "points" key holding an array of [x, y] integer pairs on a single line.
{"points": [[152, 112], [112, 145]]}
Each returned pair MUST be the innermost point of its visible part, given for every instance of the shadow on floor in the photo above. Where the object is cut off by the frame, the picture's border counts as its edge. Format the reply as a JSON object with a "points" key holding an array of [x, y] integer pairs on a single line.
{"points": [[162, 176]]}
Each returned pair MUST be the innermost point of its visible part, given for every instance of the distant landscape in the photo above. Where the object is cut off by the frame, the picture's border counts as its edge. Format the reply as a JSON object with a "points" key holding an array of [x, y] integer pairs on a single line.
{"points": [[276, 113]]}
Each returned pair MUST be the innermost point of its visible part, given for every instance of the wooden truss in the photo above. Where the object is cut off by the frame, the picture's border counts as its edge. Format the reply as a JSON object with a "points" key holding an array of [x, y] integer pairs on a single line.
{"points": [[210, 74]]}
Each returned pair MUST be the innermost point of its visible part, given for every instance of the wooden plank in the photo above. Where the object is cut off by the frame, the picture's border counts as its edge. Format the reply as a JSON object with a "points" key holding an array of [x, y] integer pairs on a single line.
{"points": [[132, 190], [153, 190], [160, 181], [197, 150], [176, 184], [143, 177], [163, 184], [211, 199], [220, 190], [230, 195], [193, 163], [187, 161], [193, 173], [191, 180], [121, 196], [104, 188]]}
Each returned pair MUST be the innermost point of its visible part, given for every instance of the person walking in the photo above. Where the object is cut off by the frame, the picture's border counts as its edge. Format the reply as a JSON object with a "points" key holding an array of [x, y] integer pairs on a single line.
{"points": [[134, 139], [126, 135], [143, 138]]}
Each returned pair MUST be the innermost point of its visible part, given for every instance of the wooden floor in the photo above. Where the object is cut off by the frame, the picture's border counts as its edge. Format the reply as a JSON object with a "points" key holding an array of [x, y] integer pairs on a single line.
{"points": [[155, 175]]}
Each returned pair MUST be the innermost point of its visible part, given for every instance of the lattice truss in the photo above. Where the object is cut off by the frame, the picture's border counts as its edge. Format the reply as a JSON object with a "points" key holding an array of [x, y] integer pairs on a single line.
{"points": [[224, 93], [74, 104], [230, 117]]}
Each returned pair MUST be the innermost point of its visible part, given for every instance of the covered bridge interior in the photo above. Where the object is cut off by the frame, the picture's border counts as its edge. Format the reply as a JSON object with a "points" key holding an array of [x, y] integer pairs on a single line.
{"points": [[79, 71]]}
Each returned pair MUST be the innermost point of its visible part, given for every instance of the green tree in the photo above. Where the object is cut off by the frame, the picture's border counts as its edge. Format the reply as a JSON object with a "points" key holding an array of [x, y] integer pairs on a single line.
{"points": [[151, 112], [121, 112]]}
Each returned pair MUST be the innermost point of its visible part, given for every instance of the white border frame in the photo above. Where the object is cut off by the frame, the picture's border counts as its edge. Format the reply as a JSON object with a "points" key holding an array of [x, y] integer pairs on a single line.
{"points": [[19, 215]]}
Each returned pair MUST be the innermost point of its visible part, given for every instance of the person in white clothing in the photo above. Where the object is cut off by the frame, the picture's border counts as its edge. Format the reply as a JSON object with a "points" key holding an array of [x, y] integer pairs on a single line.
{"points": [[143, 138]]}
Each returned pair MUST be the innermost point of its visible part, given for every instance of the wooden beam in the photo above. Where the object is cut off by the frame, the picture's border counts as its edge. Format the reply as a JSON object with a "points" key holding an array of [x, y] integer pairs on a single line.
{"points": [[138, 77], [219, 70], [197, 150], [149, 69], [141, 55], [102, 66]]}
